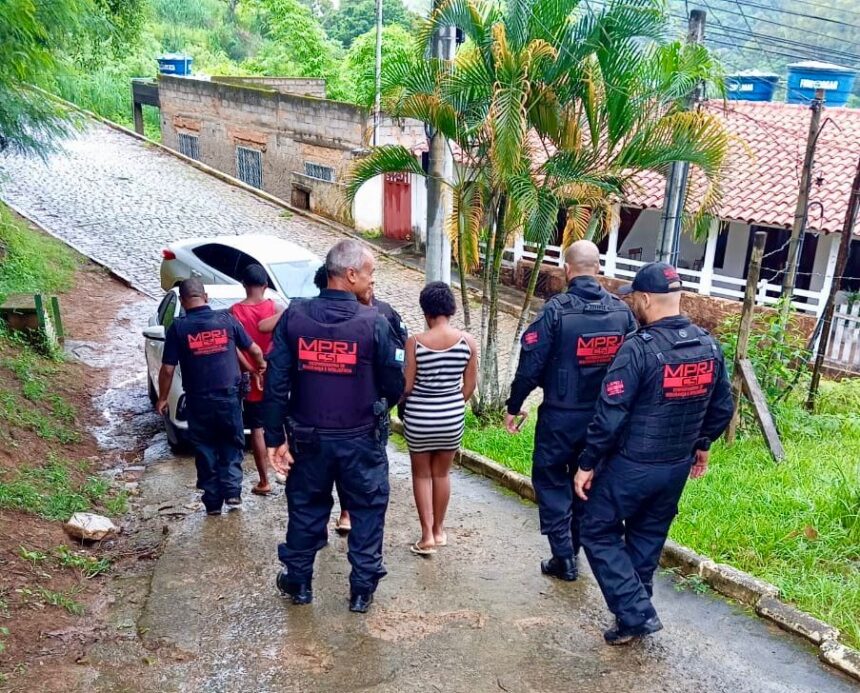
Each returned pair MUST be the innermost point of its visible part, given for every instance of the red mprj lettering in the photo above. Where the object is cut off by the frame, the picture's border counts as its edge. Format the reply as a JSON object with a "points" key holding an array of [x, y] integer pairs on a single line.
{"points": [[597, 350], [208, 342], [530, 338], [615, 388], [683, 380], [333, 356]]}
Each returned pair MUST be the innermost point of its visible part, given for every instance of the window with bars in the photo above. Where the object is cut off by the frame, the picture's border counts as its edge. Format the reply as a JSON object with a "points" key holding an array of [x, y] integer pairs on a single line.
{"points": [[325, 173], [189, 145], [249, 166]]}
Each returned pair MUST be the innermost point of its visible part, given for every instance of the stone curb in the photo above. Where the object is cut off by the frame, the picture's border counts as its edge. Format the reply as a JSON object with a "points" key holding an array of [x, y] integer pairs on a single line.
{"points": [[118, 276], [725, 579], [506, 306]]}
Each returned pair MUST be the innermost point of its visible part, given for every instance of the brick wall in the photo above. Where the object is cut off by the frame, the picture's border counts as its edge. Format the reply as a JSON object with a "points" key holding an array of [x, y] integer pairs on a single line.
{"points": [[290, 130], [708, 311]]}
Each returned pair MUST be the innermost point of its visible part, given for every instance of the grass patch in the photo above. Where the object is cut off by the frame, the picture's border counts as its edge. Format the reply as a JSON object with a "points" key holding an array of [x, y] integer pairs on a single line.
{"points": [[89, 566], [398, 441], [372, 234], [24, 415], [796, 524], [34, 262], [51, 492], [63, 600]]}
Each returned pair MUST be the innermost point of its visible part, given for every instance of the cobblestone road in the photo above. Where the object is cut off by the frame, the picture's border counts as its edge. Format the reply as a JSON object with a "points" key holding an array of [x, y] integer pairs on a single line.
{"points": [[120, 201]]}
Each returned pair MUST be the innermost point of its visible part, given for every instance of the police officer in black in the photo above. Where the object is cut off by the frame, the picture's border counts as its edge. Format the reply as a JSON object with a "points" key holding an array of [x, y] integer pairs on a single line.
{"points": [[566, 351], [333, 371], [343, 525], [664, 400], [204, 343]]}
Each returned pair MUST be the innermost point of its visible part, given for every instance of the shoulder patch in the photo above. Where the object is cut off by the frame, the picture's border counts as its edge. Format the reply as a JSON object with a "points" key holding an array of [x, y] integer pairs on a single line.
{"points": [[531, 337], [399, 355], [614, 388]]}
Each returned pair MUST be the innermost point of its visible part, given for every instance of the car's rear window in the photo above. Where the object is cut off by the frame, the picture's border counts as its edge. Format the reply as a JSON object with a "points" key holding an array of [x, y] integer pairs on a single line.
{"points": [[296, 278]]}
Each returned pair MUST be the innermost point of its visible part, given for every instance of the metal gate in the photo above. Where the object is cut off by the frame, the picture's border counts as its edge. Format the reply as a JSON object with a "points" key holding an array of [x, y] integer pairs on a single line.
{"points": [[397, 206]]}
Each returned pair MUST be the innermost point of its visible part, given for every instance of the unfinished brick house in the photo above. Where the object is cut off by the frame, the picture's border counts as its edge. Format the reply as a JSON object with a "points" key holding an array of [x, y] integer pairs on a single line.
{"points": [[283, 136]]}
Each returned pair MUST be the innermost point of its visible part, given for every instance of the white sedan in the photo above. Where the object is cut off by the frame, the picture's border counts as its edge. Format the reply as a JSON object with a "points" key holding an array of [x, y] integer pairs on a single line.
{"points": [[221, 297], [223, 259]]}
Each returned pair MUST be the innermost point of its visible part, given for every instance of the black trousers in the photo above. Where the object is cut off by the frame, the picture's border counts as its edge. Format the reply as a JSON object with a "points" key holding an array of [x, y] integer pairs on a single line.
{"points": [[559, 439], [215, 430], [624, 526], [358, 466]]}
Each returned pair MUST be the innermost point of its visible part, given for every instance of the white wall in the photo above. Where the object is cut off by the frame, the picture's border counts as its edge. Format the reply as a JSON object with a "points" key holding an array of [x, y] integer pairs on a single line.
{"points": [[822, 254], [418, 186], [736, 251], [367, 206], [643, 235]]}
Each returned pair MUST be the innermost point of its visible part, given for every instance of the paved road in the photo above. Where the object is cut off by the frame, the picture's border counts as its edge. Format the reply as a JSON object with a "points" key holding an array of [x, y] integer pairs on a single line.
{"points": [[121, 201]]}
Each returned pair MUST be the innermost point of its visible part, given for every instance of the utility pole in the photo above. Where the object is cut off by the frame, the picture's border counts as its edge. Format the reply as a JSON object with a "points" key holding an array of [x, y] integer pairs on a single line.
{"points": [[669, 236], [377, 104], [441, 168], [802, 208], [841, 263]]}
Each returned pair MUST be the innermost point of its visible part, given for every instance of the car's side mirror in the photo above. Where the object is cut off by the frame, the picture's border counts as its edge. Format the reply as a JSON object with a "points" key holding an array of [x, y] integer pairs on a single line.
{"points": [[155, 332]]}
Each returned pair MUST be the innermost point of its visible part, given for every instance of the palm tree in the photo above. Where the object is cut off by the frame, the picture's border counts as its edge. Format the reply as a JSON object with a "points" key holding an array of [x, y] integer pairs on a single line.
{"points": [[550, 104]]}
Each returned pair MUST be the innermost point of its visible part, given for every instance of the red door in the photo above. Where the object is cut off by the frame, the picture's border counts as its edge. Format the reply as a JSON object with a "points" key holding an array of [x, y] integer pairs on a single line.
{"points": [[397, 206]]}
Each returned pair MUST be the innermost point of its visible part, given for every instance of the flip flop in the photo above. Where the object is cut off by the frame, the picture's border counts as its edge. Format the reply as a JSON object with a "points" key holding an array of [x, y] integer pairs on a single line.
{"points": [[341, 528], [261, 490], [444, 541], [421, 551]]}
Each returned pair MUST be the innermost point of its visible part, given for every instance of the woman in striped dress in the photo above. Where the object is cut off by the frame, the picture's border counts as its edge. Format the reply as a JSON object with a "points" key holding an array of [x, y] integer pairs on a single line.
{"points": [[441, 373]]}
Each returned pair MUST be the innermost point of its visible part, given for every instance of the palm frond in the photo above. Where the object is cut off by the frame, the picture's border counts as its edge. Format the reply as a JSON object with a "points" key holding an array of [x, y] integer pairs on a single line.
{"points": [[380, 160]]}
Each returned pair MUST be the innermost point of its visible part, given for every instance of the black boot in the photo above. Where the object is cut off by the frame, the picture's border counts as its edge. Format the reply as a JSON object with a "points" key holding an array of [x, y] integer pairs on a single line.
{"points": [[621, 635], [560, 568], [299, 592], [360, 602]]}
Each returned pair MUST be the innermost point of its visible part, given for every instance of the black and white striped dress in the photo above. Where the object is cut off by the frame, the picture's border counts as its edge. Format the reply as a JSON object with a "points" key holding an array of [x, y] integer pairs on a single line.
{"points": [[435, 413]]}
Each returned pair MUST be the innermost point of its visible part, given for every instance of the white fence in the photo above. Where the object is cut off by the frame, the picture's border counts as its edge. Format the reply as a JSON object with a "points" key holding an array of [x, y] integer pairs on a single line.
{"points": [[694, 280], [844, 345]]}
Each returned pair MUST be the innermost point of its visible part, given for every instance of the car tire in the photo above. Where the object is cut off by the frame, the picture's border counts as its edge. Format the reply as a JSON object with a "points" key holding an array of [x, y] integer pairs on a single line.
{"points": [[150, 389], [176, 438]]}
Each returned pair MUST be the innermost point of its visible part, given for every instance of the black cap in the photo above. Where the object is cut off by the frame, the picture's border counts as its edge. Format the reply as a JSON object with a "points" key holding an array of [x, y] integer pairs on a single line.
{"points": [[654, 278], [255, 275]]}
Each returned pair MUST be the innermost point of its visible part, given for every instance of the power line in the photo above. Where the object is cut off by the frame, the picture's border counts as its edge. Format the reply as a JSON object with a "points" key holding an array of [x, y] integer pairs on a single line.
{"points": [[838, 22]]}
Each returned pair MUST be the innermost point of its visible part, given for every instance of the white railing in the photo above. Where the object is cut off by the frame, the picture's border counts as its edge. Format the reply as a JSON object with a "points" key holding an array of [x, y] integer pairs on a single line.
{"points": [[720, 284], [844, 346]]}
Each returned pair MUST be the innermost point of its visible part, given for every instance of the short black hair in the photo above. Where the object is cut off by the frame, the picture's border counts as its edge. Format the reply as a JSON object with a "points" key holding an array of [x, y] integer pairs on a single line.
{"points": [[254, 275], [191, 288], [437, 299], [321, 278]]}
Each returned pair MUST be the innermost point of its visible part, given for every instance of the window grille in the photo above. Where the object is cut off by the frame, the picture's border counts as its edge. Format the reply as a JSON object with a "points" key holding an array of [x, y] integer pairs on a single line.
{"points": [[249, 166], [325, 173], [189, 145]]}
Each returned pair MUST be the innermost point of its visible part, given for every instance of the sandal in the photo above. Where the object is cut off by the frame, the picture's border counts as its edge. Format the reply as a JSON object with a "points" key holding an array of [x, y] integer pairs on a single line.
{"points": [[419, 550], [342, 527], [444, 541], [259, 490]]}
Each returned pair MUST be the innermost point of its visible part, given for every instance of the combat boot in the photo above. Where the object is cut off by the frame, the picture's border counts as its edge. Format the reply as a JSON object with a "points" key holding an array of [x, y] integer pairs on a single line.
{"points": [[298, 592], [621, 635], [360, 602], [560, 568]]}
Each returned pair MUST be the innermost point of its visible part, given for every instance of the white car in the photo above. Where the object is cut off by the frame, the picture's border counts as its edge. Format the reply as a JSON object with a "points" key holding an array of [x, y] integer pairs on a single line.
{"points": [[223, 259], [221, 297]]}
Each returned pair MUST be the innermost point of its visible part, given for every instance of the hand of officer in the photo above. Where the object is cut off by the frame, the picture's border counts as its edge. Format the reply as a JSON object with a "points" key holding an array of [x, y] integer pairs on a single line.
{"points": [[700, 464], [161, 406], [582, 482], [281, 459], [512, 424]]}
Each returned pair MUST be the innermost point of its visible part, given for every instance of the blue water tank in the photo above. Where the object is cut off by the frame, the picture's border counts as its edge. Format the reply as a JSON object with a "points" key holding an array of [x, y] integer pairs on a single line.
{"points": [[175, 64], [807, 76], [751, 86]]}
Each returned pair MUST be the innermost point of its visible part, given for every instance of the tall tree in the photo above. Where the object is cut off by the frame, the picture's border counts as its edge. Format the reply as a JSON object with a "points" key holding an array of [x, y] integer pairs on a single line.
{"points": [[359, 66], [356, 17], [550, 104]]}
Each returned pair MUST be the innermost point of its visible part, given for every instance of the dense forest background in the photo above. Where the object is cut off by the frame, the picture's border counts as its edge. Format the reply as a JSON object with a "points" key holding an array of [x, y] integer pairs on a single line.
{"points": [[323, 38]]}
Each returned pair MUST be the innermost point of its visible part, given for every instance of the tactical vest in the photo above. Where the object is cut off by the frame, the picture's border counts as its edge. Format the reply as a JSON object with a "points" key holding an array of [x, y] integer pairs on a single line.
{"points": [[681, 371], [589, 335], [333, 386], [207, 352]]}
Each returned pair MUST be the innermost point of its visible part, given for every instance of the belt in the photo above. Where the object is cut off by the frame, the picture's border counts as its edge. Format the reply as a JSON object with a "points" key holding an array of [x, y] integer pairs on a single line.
{"points": [[219, 392], [341, 433]]}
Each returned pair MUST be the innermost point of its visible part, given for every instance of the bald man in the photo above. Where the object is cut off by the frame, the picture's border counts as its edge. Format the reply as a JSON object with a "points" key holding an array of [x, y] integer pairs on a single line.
{"points": [[566, 351], [664, 399]]}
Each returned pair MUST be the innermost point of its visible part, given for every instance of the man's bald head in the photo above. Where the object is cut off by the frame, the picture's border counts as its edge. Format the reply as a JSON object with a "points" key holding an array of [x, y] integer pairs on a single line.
{"points": [[581, 259], [192, 293]]}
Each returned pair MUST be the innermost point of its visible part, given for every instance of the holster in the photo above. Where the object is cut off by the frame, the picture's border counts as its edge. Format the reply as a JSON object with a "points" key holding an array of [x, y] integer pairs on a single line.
{"points": [[383, 420], [304, 438]]}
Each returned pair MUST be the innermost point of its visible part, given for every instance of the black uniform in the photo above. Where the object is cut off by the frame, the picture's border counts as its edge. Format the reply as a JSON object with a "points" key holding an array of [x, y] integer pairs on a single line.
{"points": [[334, 367], [394, 319], [566, 351], [665, 396], [204, 343]]}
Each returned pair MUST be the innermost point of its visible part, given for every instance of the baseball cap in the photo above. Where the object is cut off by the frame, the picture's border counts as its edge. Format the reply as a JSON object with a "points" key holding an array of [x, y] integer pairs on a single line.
{"points": [[254, 275], [654, 278]]}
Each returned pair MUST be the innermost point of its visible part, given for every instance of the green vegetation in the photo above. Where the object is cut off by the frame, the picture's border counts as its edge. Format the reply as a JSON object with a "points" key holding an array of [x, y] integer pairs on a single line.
{"points": [[33, 262], [51, 491], [89, 566], [795, 524], [64, 600]]}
